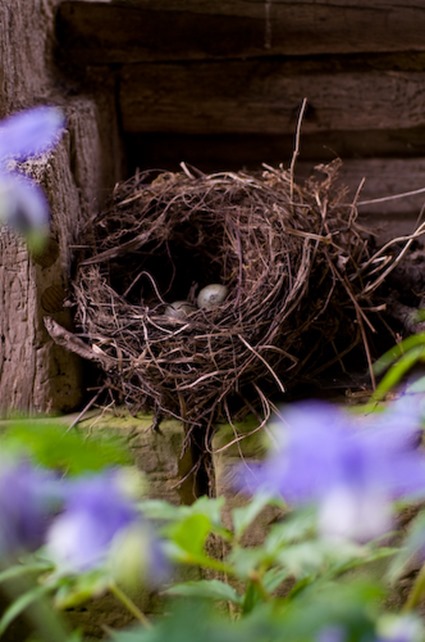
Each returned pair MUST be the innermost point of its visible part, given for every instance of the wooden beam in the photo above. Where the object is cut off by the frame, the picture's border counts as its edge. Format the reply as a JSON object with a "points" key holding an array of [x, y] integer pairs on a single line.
{"points": [[384, 179], [145, 30], [265, 96], [232, 152]]}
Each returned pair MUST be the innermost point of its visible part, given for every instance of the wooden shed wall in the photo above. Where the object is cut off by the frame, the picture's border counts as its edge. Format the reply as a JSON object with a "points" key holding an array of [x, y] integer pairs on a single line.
{"points": [[220, 85]]}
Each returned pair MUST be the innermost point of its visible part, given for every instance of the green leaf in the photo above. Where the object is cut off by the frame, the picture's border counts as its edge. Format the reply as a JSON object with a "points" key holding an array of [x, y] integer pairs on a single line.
{"points": [[293, 527], [396, 373], [71, 452], [251, 598], [211, 508], [193, 620], [246, 560], [161, 510], [19, 605], [13, 572], [138, 635], [397, 351], [303, 559], [243, 516], [274, 577], [361, 560], [75, 590], [212, 589], [411, 551], [158, 509], [191, 533], [182, 556], [311, 607]]}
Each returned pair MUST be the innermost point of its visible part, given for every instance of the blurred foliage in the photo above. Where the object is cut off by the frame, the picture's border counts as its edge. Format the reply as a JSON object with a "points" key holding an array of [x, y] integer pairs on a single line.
{"points": [[70, 451], [397, 363]]}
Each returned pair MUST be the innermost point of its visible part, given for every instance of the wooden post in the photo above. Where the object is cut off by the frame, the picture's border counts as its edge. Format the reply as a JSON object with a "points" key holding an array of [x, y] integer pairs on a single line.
{"points": [[36, 375]]}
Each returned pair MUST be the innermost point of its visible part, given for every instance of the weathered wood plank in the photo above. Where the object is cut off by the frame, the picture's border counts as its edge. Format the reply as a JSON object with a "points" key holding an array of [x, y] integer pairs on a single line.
{"points": [[384, 178], [36, 375], [265, 97], [25, 64], [138, 30], [231, 152], [387, 181]]}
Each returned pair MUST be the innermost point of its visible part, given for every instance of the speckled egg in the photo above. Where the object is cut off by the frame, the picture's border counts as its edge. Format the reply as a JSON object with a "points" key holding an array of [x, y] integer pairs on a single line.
{"points": [[211, 296], [179, 309]]}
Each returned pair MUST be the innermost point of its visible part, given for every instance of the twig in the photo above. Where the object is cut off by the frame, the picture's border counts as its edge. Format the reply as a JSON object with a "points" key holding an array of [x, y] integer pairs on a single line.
{"points": [[296, 151], [268, 366], [129, 605], [372, 286], [394, 197], [86, 408]]}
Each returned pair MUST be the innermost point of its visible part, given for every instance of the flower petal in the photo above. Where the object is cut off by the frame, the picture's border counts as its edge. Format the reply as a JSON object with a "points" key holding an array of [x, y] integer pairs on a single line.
{"points": [[30, 133], [76, 542], [311, 451], [352, 468], [95, 511], [359, 516], [23, 205], [27, 511]]}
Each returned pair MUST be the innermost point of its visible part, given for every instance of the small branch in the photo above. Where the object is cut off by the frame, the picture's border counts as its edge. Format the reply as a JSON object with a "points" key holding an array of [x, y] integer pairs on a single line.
{"points": [[130, 605], [297, 145], [372, 286], [86, 408], [68, 340], [384, 199], [416, 592]]}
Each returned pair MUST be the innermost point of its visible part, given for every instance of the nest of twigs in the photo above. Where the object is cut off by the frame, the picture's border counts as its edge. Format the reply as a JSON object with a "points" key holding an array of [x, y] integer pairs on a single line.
{"points": [[293, 259]]}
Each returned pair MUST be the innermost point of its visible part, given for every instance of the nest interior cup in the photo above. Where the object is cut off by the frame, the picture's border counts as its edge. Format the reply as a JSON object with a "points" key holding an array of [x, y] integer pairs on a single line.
{"points": [[292, 262]]}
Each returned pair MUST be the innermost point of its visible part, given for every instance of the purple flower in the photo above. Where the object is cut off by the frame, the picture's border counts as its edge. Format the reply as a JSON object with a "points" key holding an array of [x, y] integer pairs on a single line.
{"points": [[27, 502], [100, 526], [30, 133], [332, 633], [137, 555], [23, 205], [406, 628], [351, 467], [391, 628], [95, 511]]}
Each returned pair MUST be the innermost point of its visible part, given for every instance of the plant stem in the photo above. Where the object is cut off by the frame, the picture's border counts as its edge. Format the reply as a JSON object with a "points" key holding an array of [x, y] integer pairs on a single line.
{"points": [[129, 605], [48, 621], [41, 614], [416, 592], [257, 581]]}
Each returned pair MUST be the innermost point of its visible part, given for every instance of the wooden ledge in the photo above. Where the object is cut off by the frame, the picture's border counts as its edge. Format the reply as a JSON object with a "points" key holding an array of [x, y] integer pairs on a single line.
{"points": [[150, 30]]}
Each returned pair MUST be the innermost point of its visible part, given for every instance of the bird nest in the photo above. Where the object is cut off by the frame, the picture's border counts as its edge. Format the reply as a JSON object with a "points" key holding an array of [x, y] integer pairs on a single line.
{"points": [[292, 258]]}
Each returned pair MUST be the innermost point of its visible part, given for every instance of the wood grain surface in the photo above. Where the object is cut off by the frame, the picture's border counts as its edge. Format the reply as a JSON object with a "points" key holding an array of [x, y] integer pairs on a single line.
{"points": [[139, 30], [265, 97]]}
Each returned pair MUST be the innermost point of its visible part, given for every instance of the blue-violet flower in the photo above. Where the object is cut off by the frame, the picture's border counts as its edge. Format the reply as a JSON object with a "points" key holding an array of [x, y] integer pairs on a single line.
{"points": [[98, 519], [27, 503], [23, 205], [352, 468]]}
